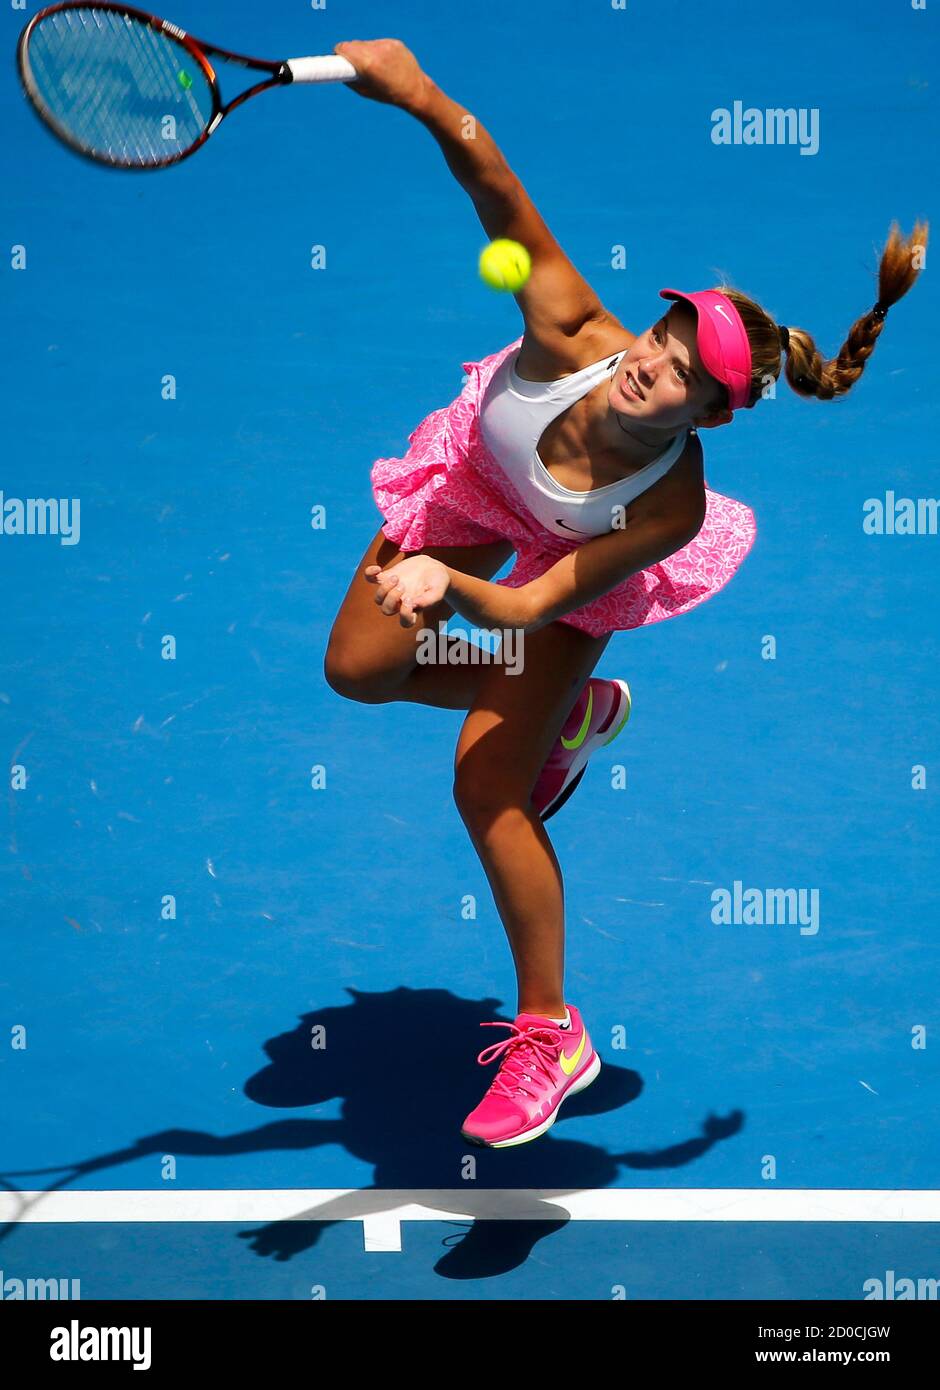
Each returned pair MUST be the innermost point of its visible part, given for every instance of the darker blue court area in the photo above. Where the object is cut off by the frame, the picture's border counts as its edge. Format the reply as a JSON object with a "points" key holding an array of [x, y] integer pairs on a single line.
{"points": [[248, 945], [590, 1260]]}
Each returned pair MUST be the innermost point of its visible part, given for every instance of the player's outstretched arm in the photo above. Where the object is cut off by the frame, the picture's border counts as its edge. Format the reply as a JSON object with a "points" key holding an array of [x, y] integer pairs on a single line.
{"points": [[556, 298]]}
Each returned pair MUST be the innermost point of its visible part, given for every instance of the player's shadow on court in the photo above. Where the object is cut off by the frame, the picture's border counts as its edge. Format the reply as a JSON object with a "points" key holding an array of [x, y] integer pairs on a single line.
{"points": [[405, 1067], [403, 1064]]}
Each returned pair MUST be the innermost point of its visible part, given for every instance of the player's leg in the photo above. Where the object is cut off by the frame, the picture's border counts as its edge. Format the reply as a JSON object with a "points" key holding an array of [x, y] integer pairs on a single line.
{"points": [[504, 742], [370, 657]]}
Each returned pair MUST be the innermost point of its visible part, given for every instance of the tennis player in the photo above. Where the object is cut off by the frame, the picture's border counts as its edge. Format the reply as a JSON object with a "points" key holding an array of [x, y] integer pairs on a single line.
{"points": [[577, 449]]}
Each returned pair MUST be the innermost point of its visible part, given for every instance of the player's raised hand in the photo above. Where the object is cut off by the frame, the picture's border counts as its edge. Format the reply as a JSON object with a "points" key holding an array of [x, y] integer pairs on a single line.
{"points": [[410, 586], [387, 71]]}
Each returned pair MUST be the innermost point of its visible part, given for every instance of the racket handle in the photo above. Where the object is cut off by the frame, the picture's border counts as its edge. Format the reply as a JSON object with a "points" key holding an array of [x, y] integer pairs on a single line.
{"points": [[328, 68]]}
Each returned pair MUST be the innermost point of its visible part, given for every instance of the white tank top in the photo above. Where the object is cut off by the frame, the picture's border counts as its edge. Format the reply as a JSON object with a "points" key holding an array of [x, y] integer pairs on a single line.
{"points": [[514, 414]]}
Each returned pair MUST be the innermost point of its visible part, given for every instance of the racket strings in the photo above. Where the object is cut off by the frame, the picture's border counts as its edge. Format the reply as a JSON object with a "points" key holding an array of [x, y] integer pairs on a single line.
{"points": [[118, 87]]}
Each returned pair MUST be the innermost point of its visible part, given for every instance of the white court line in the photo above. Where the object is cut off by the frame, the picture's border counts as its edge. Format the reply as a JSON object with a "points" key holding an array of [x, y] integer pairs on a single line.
{"points": [[382, 1211]]}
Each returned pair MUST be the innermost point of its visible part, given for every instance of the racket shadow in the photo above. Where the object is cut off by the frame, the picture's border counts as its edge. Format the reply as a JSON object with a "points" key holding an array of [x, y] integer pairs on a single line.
{"points": [[385, 1120]]}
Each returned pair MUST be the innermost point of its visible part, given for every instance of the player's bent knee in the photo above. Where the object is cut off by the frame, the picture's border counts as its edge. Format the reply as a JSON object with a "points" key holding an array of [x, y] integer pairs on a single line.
{"points": [[349, 678]]}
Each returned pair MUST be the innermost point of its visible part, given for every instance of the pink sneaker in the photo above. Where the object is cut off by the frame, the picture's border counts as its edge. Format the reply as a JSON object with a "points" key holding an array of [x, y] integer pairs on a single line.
{"points": [[543, 1065], [600, 712]]}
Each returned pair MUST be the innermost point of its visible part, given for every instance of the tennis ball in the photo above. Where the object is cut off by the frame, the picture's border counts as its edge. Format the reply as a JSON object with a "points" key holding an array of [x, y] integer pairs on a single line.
{"points": [[505, 265]]}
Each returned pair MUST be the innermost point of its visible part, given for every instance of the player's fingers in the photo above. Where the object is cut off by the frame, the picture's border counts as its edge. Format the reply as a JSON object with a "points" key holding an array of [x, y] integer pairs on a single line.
{"points": [[392, 600], [385, 583]]}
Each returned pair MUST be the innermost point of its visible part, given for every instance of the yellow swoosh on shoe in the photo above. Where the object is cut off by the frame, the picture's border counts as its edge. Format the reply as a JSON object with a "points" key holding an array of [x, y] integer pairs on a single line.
{"points": [[581, 735], [568, 1064]]}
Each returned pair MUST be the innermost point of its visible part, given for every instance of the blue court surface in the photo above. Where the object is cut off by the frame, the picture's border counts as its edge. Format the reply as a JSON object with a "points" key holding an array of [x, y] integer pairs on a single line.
{"points": [[183, 907]]}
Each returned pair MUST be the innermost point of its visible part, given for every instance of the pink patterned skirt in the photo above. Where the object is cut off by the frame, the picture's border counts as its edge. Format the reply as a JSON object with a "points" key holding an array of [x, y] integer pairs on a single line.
{"points": [[449, 490]]}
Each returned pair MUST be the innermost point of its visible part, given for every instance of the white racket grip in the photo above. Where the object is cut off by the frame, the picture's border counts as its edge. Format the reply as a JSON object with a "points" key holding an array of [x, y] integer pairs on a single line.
{"points": [[328, 68]]}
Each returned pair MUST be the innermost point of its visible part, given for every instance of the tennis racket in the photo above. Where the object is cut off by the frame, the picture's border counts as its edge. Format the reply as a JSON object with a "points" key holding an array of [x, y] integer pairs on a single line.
{"points": [[132, 91]]}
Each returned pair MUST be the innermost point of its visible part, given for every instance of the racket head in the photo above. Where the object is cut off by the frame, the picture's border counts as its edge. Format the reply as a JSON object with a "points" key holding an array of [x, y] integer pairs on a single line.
{"points": [[118, 85]]}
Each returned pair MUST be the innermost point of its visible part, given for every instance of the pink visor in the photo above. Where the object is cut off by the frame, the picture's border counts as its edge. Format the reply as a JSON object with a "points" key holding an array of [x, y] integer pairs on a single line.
{"points": [[722, 341]]}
